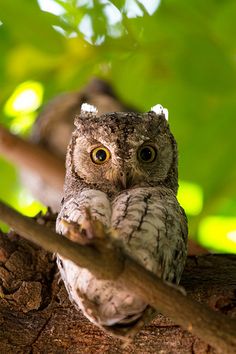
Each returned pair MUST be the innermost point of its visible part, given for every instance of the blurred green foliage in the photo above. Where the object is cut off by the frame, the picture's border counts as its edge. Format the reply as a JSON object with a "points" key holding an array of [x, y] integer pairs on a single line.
{"points": [[177, 53]]}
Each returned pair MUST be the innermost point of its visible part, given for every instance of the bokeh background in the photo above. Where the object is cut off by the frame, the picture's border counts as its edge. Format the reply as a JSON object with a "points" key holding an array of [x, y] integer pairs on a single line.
{"points": [[181, 54]]}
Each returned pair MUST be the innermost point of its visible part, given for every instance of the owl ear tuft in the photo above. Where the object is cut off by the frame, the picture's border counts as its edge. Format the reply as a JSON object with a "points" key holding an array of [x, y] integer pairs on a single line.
{"points": [[159, 110], [86, 111]]}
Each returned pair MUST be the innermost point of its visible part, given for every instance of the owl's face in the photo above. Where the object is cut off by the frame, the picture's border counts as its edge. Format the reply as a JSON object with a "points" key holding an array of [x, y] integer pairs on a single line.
{"points": [[116, 151]]}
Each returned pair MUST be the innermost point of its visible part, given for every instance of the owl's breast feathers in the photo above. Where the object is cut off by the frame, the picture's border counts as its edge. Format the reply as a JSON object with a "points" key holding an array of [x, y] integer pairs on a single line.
{"points": [[152, 228]]}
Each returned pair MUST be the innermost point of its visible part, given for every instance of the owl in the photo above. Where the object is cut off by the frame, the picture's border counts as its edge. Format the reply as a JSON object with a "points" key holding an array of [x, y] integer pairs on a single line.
{"points": [[122, 167]]}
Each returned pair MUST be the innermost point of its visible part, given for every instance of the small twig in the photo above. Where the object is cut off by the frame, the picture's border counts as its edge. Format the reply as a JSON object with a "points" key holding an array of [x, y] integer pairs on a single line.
{"points": [[25, 154], [214, 328]]}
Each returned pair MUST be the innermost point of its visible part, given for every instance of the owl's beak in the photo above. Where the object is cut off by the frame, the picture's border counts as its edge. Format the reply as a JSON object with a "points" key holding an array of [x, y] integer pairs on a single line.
{"points": [[125, 179]]}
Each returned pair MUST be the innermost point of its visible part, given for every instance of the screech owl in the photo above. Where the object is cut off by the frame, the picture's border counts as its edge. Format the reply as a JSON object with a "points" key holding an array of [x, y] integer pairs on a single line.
{"points": [[123, 167]]}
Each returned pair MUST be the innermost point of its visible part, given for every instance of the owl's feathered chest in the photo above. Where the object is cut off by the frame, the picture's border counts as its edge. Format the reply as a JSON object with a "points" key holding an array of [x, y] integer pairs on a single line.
{"points": [[151, 228]]}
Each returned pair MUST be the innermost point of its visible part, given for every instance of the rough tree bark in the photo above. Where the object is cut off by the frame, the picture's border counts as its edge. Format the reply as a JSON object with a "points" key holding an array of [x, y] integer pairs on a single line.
{"points": [[37, 317]]}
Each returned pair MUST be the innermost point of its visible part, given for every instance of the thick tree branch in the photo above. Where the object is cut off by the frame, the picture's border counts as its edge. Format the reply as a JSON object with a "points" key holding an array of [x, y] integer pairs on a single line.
{"points": [[214, 328], [25, 154]]}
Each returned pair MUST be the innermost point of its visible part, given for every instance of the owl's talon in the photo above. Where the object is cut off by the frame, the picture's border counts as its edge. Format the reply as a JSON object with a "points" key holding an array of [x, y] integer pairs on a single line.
{"points": [[75, 233], [94, 228], [89, 232]]}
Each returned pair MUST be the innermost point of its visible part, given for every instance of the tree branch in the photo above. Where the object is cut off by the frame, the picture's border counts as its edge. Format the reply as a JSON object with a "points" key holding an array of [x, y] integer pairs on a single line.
{"points": [[214, 328], [25, 154]]}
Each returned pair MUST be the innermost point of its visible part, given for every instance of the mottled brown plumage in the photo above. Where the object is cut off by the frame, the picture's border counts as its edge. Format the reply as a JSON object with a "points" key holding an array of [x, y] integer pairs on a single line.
{"points": [[123, 167]]}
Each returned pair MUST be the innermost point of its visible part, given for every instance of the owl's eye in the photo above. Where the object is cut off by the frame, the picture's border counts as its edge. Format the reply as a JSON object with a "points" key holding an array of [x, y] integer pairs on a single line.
{"points": [[147, 153], [100, 155]]}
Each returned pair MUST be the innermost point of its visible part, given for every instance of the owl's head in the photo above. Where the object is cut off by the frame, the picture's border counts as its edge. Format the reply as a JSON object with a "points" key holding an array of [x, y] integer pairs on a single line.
{"points": [[117, 151]]}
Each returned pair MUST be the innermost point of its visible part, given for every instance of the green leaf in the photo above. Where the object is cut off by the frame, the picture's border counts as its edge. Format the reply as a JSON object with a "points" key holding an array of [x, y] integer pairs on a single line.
{"points": [[28, 24]]}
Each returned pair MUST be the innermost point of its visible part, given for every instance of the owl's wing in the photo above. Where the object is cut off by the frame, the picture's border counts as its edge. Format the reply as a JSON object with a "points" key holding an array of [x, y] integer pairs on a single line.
{"points": [[153, 229], [75, 205]]}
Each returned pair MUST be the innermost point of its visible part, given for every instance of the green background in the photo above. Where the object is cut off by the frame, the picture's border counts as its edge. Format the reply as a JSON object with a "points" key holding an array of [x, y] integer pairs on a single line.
{"points": [[181, 54]]}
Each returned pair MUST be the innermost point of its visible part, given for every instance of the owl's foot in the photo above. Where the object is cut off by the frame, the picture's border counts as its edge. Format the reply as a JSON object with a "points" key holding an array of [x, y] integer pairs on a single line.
{"points": [[75, 233], [90, 232]]}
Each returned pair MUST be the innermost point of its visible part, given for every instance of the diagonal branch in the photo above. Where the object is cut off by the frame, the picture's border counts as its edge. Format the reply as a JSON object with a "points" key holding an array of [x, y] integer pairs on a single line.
{"points": [[25, 154], [214, 328]]}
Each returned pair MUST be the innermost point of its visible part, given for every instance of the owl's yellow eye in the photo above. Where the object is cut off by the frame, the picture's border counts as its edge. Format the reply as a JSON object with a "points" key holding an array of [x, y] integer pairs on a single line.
{"points": [[147, 153], [100, 155]]}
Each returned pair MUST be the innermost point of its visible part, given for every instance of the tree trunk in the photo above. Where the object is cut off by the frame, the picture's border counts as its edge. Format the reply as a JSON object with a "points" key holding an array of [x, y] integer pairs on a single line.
{"points": [[36, 315]]}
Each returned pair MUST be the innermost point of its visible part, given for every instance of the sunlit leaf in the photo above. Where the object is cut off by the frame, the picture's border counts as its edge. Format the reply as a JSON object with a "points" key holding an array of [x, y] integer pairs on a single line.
{"points": [[190, 197], [26, 98], [28, 205], [218, 233], [22, 124]]}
